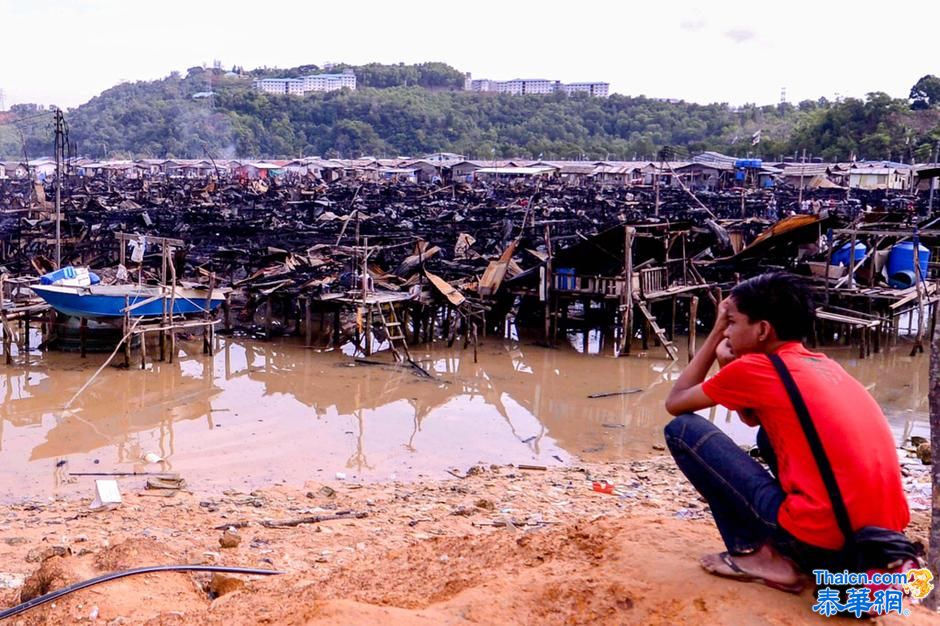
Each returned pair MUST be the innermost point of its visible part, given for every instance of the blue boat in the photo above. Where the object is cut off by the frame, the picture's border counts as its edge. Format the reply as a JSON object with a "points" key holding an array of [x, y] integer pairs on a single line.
{"points": [[113, 300]]}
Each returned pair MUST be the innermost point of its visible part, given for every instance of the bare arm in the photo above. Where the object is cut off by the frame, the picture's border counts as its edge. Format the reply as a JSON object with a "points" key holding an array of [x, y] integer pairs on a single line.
{"points": [[725, 356], [687, 394]]}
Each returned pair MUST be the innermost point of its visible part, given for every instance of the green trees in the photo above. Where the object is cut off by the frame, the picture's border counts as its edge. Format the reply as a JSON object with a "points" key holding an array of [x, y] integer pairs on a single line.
{"points": [[925, 93], [416, 109]]}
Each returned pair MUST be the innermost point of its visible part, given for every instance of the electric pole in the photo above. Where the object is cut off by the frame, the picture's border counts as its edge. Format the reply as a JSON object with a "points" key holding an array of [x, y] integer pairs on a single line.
{"points": [[933, 179], [59, 155]]}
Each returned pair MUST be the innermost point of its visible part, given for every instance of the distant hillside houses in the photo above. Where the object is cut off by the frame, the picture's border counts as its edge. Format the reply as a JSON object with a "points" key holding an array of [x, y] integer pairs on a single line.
{"points": [[306, 84], [522, 86]]}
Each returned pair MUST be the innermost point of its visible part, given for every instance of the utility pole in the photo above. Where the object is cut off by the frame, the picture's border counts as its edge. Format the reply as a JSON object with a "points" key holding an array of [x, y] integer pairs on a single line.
{"points": [[59, 155], [933, 179], [802, 169]]}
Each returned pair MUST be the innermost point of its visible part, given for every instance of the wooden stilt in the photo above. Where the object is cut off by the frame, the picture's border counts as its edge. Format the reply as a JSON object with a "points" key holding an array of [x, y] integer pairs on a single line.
{"points": [[693, 319], [336, 328], [308, 322], [268, 312]]}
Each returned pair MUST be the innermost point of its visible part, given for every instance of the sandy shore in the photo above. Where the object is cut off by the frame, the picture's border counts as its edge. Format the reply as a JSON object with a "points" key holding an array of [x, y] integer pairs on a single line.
{"points": [[501, 545]]}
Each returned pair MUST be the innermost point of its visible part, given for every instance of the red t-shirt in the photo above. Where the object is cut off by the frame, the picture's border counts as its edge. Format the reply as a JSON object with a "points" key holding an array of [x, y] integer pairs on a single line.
{"points": [[853, 430]]}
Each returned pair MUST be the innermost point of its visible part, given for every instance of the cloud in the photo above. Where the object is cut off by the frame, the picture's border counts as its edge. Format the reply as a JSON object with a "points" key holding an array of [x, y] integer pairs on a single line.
{"points": [[692, 24], [740, 35]]}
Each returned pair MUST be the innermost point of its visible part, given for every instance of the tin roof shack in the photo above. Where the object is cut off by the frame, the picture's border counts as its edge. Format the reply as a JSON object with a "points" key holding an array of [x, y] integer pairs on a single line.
{"points": [[15, 169], [927, 175], [398, 174], [426, 171], [573, 173], [462, 171], [711, 176], [257, 171], [617, 175], [512, 172], [880, 177], [42, 169], [816, 175]]}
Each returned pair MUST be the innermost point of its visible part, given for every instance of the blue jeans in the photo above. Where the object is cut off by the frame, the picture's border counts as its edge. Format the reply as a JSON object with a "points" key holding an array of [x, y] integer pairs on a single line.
{"points": [[743, 496]]}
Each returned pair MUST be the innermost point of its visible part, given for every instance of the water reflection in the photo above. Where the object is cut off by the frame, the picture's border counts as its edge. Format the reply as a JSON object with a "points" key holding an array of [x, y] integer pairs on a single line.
{"points": [[259, 413]]}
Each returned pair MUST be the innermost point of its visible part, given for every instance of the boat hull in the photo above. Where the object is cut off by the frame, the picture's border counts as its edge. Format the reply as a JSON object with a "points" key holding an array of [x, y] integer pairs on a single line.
{"points": [[111, 300]]}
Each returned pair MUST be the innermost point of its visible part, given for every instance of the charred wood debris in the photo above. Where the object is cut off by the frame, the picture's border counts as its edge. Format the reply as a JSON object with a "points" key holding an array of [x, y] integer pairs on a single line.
{"points": [[290, 239]]}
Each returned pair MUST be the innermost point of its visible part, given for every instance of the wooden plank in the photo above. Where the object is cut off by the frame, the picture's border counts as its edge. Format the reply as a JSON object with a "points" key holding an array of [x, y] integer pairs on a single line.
{"points": [[496, 271], [450, 292]]}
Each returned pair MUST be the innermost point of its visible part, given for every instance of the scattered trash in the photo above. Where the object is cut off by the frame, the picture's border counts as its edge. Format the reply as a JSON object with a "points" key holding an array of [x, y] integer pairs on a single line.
{"points": [[107, 495], [340, 476], [166, 481], [538, 468], [230, 539], [152, 457], [610, 394]]}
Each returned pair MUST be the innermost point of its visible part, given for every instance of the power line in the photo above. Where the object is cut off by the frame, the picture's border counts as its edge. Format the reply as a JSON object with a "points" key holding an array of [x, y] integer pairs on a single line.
{"points": [[21, 120]]}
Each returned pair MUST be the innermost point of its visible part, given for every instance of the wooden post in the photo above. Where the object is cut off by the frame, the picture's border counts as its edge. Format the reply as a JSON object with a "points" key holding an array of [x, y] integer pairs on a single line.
{"points": [[163, 318], [626, 301], [7, 342], [172, 309], [828, 262], [851, 281], [672, 329], [127, 328], [83, 335], [143, 349], [368, 328], [693, 318], [308, 322], [268, 312], [336, 327], [548, 284], [207, 330], [26, 321]]}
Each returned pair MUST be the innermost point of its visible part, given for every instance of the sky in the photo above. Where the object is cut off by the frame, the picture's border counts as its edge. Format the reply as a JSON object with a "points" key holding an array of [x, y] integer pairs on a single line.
{"points": [[66, 52]]}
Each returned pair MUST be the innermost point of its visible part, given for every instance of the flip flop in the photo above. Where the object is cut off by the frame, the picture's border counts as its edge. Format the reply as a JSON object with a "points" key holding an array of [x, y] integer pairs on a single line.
{"points": [[742, 576]]}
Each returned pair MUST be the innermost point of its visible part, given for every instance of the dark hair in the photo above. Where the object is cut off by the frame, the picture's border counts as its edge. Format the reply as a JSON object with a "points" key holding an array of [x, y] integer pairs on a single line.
{"points": [[782, 299]]}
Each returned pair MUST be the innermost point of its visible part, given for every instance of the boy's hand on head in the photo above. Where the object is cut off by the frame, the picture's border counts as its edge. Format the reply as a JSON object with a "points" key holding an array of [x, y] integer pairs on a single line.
{"points": [[721, 317]]}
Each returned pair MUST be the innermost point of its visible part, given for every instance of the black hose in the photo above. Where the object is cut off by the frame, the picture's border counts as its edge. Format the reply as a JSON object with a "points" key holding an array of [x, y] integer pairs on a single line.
{"points": [[49, 597]]}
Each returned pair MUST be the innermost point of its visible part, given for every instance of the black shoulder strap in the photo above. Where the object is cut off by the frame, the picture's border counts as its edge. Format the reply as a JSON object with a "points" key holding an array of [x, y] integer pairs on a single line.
{"points": [[815, 444]]}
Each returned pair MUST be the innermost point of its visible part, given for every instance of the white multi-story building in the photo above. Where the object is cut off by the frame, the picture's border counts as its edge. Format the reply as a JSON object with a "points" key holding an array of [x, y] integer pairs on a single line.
{"points": [[306, 84], [329, 82], [524, 86], [601, 90], [272, 85]]}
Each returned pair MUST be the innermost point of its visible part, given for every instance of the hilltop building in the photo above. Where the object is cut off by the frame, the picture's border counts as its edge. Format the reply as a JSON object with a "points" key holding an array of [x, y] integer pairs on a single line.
{"points": [[306, 84], [523, 86]]}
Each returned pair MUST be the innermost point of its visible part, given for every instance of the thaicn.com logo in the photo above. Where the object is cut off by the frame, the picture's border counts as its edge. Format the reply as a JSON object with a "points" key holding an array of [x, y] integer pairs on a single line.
{"points": [[874, 593]]}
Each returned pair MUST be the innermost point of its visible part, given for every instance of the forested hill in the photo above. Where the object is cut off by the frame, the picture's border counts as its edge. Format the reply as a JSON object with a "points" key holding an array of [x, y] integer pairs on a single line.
{"points": [[412, 110]]}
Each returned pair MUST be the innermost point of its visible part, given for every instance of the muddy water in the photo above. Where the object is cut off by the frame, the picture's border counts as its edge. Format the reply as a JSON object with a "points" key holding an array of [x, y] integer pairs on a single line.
{"points": [[264, 413]]}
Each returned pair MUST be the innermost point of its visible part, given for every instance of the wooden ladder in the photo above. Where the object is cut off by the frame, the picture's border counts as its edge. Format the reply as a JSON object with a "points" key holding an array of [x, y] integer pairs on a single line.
{"points": [[393, 329], [660, 333]]}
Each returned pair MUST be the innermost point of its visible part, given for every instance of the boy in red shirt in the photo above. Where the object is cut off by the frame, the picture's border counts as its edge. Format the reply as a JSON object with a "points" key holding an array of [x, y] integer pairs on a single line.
{"points": [[777, 524]]}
